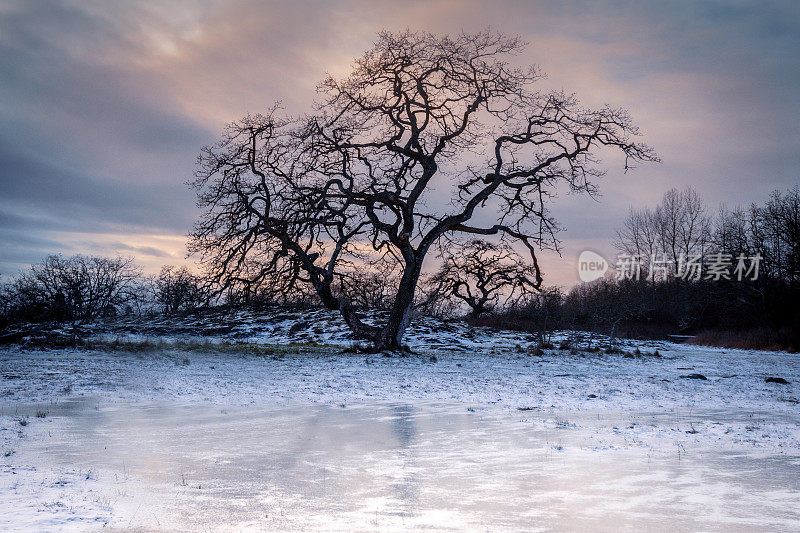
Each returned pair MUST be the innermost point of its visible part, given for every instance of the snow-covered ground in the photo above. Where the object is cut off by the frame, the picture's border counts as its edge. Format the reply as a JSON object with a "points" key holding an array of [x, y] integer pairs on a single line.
{"points": [[474, 431], [281, 326]]}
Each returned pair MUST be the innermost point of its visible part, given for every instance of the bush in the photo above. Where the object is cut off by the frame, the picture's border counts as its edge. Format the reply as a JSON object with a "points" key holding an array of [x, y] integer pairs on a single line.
{"points": [[176, 289], [71, 288]]}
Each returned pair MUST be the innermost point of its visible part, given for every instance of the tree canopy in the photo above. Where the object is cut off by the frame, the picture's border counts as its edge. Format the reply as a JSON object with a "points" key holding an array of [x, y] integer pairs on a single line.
{"points": [[428, 137]]}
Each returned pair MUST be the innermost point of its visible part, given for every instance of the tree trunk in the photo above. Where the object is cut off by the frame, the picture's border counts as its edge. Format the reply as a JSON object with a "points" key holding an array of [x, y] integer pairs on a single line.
{"points": [[360, 330], [391, 335], [477, 311], [353, 321]]}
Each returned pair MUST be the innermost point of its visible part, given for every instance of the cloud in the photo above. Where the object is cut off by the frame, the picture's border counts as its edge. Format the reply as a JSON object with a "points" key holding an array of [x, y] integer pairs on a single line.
{"points": [[140, 250], [106, 105]]}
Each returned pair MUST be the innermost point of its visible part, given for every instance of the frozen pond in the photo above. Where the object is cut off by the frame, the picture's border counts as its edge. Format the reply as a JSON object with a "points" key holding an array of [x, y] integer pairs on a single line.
{"points": [[91, 463]]}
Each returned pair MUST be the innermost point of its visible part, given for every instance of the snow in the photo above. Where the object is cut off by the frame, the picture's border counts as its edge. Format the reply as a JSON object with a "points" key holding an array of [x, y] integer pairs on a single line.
{"points": [[487, 436], [280, 325]]}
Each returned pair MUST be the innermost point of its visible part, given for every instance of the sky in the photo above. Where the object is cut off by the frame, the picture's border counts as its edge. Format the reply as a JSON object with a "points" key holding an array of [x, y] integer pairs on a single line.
{"points": [[104, 106]]}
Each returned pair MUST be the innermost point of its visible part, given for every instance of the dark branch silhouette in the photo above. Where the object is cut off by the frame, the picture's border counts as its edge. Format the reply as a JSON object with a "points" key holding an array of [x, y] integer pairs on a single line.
{"points": [[419, 119], [482, 273]]}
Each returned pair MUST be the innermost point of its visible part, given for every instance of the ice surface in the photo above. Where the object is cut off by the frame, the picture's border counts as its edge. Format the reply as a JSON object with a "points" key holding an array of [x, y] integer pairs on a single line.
{"points": [[392, 466]]}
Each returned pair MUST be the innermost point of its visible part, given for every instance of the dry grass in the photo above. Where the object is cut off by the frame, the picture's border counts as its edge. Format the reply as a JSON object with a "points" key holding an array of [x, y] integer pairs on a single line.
{"points": [[785, 339], [208, 346], [506, 322], [156, 344], [632, 330]]}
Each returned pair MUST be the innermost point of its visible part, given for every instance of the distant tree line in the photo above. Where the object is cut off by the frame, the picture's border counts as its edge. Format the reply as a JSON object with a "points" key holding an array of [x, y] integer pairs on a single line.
{"points": [[667, 299]]}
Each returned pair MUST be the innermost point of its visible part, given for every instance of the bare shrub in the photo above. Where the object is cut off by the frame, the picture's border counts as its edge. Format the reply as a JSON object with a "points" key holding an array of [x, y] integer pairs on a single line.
{"points": [[177, 289], [483, 274], [72, 288]]}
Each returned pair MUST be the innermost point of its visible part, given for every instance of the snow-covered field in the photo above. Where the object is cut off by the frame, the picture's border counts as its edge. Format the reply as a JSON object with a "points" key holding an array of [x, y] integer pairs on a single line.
{"points": [[474, 431]]}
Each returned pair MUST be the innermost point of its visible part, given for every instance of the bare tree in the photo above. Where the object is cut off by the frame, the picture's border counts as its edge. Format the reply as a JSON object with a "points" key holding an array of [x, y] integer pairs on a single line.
{"points": [[481, 273], [781, 219], [684, 227], [639, 236], [371, 287], [417, 115], [677, 227], [730, 231], [432, 300], [177, 289], [75, 288]]}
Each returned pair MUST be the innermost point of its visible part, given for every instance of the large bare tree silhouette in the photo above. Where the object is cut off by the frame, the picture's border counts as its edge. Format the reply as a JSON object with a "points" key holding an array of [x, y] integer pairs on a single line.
{"points": [[425, 137]]}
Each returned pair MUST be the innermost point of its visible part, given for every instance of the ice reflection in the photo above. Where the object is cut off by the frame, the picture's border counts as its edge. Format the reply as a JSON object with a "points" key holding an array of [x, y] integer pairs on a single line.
{"points": [[385, 467]]}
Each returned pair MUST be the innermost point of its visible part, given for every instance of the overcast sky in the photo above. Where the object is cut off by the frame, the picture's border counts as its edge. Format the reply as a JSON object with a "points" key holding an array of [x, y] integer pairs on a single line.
{"points": [[104, 106]]}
